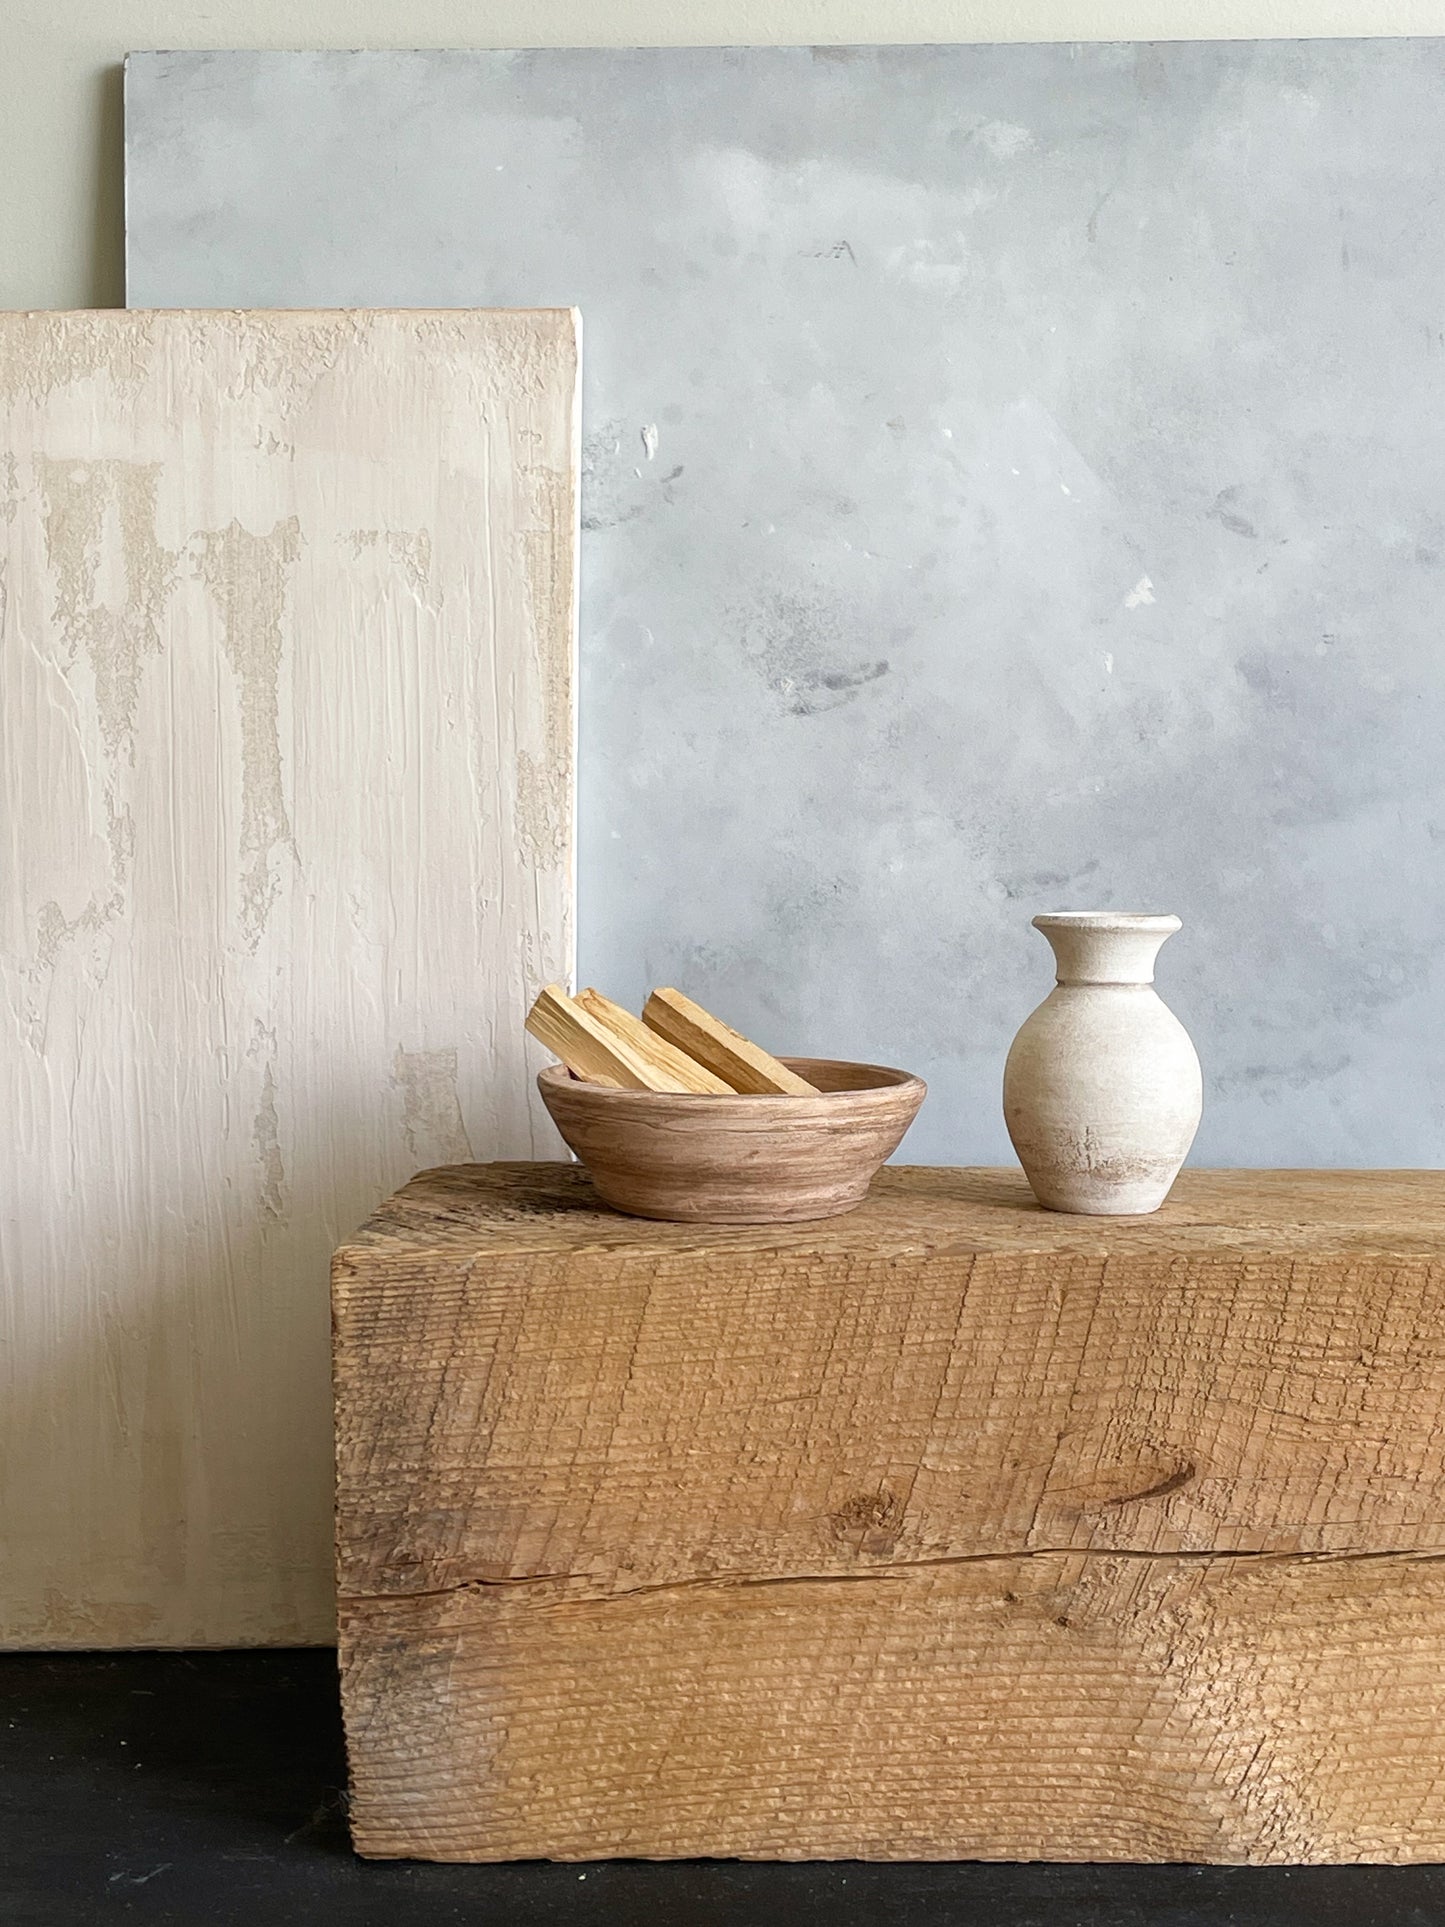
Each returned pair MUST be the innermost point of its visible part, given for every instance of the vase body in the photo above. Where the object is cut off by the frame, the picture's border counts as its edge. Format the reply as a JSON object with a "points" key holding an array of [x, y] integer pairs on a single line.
{"points": [[1102, 1089]]}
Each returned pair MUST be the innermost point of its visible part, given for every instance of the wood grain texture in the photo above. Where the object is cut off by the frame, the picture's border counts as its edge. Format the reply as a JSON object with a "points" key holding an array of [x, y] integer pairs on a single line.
{"points": [[691, 1075], [951, 1528], [592, 1049], [1053, 1707], [746, 1066], [286, 642]]}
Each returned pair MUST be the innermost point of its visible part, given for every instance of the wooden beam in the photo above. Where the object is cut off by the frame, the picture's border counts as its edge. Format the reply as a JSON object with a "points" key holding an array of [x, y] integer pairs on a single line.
{"points": [[951, 1528]]}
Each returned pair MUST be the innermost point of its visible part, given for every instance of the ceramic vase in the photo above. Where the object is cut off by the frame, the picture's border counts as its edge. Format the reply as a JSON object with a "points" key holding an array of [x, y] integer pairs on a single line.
{"points": [[1102, 1089]]}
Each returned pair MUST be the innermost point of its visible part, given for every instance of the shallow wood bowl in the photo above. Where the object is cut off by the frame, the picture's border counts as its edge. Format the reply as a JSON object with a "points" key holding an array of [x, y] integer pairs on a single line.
{"points": [[737, 1160]]}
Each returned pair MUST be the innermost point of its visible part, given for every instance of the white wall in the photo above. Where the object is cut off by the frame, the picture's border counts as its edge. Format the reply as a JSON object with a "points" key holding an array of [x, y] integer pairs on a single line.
{"points": [[60, 100]]}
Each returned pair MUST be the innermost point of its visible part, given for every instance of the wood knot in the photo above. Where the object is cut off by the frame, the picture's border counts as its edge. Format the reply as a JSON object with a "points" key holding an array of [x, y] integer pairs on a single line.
{"points": [[865, 1513], [1160, 1489]]}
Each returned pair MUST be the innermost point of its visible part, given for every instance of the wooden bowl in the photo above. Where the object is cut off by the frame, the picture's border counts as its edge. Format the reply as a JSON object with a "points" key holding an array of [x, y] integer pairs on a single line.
{"points": [[737, 1160]]}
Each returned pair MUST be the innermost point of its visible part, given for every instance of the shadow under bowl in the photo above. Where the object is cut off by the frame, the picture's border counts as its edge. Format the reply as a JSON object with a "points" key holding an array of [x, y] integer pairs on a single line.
{"points": [[737, 1160]]}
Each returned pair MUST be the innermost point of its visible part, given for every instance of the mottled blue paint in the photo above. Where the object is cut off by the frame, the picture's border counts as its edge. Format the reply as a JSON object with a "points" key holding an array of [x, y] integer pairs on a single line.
{"points": [[1015, 481]]}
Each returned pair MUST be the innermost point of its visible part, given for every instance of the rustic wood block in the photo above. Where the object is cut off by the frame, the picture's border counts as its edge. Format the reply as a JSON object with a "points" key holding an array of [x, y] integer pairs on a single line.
{"points": [[951, 1528]]}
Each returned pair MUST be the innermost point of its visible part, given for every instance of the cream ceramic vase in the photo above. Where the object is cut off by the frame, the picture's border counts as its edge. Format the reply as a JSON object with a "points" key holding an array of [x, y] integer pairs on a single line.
{"points": [[1102, 1090]]}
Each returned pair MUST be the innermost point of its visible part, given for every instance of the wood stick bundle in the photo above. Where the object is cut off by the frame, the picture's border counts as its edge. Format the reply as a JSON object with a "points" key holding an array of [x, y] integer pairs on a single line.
{"points": [[674, 1046]]}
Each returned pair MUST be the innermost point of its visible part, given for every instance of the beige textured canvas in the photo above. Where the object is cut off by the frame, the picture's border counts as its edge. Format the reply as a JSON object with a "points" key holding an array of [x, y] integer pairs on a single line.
{"points": [[286, 670]]}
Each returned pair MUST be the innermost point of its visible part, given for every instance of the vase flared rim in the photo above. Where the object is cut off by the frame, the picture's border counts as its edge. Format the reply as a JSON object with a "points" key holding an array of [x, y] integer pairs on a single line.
{"points": [[1120, 920]]}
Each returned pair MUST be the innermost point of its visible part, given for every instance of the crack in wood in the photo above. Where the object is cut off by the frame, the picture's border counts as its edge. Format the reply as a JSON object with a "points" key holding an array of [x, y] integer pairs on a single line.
{"points": [[892, 1569]]}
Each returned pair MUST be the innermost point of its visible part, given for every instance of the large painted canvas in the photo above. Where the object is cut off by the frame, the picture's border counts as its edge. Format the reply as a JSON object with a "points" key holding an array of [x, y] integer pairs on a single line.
{"points": [[286, 632], [1013, 482]]}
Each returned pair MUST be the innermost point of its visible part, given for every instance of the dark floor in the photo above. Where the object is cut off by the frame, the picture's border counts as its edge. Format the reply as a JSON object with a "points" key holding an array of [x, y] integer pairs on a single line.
{"points": [[206, 1788]]}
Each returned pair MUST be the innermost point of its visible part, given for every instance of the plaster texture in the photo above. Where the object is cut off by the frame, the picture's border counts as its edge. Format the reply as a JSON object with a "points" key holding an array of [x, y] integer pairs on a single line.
{"points": [[286, 787], [1013, 479]]}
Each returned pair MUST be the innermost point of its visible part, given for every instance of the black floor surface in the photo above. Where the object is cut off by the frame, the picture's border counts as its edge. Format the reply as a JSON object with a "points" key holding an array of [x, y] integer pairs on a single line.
{"points": [[206, 1788]]}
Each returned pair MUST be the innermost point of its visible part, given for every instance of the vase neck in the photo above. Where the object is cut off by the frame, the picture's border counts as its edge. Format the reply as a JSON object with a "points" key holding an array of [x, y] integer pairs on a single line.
{"points": [[1105, 946]]}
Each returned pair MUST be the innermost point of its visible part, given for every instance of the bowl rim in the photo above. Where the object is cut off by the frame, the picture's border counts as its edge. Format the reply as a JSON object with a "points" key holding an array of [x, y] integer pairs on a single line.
{"points": [[891, 1082]]}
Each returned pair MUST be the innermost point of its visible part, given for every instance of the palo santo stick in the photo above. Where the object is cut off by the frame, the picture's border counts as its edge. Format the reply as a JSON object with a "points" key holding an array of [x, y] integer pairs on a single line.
{"points": [[650, 1045], [591, 1049], [744, 1066]]}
